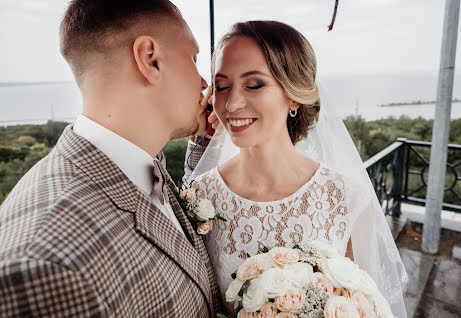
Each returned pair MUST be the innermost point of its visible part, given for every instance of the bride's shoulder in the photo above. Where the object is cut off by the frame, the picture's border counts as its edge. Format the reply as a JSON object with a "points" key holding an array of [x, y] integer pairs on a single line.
{"points": [[348, 182], [327, 173]]}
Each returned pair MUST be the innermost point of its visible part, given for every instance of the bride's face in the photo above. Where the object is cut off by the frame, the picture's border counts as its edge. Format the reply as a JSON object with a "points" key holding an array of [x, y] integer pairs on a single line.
{"points": [[248, 100]]}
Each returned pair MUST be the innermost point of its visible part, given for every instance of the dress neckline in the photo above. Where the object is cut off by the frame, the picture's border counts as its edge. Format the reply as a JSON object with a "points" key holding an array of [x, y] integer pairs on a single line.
{"points": [[301, 189]]}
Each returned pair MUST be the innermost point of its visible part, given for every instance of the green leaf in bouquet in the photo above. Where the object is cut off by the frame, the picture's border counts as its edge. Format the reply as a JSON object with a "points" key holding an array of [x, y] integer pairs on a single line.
{"points": [[248, 255], [297, 247], [244, 288], [264, 249], [221, 218], [234, 275], [191, 215], [218, 315]]}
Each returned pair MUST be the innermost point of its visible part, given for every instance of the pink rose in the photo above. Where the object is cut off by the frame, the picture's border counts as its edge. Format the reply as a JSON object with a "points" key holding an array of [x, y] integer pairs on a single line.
{"points": [[341, 292], [365, 307], [188, 194], [248, 270], [204, 228], [292, 301], [268, 310], [283, 256], [285, 315], [339, 306], [244, 314], [323, 281]]}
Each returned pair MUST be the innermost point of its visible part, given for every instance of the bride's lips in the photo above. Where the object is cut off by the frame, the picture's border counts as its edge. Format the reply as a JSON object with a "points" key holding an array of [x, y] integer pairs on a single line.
{"points": [[240, 124]]}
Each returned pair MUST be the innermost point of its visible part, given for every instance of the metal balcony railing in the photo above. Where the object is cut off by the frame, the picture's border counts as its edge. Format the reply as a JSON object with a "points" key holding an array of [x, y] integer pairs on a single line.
{"points": [[399, 174]]}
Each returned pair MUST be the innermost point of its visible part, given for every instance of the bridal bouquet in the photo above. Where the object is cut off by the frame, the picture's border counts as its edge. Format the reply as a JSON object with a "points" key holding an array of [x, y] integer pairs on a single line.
{"points": [[311, 280]]}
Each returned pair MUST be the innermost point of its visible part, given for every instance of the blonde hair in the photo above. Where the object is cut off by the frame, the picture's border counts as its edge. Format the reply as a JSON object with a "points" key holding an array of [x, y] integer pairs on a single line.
{"points": [[292, 62]]}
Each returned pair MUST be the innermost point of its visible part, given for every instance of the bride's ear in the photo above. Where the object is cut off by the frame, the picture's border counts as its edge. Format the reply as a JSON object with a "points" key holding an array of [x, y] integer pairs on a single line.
{"points": [[293, 105], [146, 55]]}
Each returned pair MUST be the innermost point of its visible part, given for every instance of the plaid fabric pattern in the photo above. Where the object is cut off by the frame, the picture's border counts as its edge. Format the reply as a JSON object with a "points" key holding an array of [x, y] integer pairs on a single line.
{"points": [[194, 158], [78, 239]]}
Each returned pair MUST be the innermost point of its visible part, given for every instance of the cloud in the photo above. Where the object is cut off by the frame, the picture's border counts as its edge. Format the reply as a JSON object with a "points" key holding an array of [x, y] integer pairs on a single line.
{"points": [[370, 36]]}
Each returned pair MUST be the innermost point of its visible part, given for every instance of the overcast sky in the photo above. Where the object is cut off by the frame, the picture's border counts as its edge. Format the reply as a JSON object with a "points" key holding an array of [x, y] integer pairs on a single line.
{"points": [[370, 36]]}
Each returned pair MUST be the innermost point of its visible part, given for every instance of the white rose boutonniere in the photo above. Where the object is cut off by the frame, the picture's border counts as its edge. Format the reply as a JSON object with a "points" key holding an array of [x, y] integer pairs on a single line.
{"points": [[200, 211]]}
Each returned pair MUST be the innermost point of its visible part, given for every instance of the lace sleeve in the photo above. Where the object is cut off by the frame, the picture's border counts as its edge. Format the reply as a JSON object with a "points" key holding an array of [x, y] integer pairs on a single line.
{"points": [[374, 247]]}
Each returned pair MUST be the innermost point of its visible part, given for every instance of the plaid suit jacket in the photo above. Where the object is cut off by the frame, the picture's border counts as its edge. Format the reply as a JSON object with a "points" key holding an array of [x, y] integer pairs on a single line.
{"points": [[78, 239]]}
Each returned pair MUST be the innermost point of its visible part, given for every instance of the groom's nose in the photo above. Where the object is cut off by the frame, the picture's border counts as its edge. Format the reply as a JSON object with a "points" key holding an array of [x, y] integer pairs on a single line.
{"points": [[235, 101], [204, 84]]}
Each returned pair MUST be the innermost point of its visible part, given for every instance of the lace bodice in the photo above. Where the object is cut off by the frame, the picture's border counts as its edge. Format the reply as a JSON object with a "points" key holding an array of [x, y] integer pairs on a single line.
{"points": [[316, 211]]}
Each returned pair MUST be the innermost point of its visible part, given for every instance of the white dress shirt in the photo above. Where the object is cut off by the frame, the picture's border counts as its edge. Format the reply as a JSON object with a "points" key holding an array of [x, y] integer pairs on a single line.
{"points": [[134, 162]]}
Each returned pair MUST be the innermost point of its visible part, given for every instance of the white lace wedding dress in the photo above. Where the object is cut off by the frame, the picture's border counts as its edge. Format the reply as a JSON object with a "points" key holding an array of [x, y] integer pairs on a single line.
{"points": [[316, 211]]}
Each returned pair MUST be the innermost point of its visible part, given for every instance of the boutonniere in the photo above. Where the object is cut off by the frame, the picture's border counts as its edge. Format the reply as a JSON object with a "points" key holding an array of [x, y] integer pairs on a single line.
{"points": [[200, 212]]}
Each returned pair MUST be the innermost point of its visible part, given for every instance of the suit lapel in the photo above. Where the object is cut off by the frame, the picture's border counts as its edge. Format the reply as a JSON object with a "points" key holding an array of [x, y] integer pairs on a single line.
{"points": [[149, 221], [156, 227]]}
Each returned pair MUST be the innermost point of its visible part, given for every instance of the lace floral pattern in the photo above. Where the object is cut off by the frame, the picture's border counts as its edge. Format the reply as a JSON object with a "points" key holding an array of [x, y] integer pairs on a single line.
{"points": [[316, 211]]}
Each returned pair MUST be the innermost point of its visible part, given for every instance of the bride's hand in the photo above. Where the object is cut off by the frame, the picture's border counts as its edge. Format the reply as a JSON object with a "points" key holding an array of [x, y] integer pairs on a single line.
{"points": [[212, 118]]}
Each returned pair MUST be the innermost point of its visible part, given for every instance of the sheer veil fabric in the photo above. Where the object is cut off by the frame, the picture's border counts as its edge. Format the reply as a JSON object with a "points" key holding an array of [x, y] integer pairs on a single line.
{"points": [[330, 143]]}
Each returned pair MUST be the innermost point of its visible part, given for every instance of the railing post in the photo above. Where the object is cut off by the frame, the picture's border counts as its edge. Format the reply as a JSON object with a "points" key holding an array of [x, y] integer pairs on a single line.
{"points": [[399, 164], [438, 159]]}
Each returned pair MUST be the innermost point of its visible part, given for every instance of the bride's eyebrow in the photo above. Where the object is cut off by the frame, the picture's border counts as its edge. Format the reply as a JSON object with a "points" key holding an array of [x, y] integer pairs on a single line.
{"points": [[246, 74]]}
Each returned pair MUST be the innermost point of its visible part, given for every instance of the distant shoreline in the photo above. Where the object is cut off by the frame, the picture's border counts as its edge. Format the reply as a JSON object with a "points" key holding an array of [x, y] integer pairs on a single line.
{"points": [[22, 122], [456, 100], [9, 84]]}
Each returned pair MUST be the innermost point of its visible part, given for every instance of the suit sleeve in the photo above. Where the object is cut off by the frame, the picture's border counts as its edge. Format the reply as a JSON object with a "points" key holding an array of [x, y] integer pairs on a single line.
{"points": [[193, 155], [36, 288]]}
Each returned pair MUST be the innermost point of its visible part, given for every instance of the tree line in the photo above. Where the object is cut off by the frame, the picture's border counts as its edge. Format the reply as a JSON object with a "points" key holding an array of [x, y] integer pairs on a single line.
{"points": [[22, 146]]}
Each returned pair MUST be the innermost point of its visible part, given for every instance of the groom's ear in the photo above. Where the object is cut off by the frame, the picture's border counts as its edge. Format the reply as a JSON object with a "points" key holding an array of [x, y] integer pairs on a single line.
{"points": [[146, 54]]}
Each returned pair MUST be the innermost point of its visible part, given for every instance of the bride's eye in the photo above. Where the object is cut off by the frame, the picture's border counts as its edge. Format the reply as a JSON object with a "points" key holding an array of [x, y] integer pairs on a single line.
{"points": [[220, 89], [254, 84], [255, 87]]}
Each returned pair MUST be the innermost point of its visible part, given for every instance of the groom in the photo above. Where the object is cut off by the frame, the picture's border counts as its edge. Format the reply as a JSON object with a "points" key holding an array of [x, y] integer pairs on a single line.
{"points": [[93, 230]]}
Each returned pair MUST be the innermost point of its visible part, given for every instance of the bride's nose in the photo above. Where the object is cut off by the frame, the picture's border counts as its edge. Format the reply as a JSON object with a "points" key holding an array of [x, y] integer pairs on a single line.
{"points": [[235, 101]]}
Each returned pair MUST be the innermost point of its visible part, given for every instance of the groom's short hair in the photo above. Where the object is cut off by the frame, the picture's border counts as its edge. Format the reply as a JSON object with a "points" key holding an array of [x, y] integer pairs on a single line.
{"points": [[91, 27]]}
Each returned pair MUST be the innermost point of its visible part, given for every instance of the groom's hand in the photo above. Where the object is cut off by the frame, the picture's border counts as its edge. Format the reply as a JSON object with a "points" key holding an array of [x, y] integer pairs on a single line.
{"points": [[212, 119]]}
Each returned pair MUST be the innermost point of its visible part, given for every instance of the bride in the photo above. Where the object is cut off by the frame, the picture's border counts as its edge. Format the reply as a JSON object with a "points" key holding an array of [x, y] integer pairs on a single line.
{"points": [[282, 169]]}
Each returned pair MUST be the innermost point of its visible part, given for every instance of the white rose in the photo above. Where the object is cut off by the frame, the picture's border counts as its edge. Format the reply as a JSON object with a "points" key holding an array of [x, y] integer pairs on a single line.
{"points": [[255, 297], [276, 282], [367, 285], [341, 272], [233, 290], [204, 210], [299, 274], [325, 250], [383, 310], [264, 261]]}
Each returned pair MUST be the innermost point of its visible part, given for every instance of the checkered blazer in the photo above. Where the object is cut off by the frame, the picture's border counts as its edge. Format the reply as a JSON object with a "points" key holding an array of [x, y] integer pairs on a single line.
{"points": [[78, 239]]}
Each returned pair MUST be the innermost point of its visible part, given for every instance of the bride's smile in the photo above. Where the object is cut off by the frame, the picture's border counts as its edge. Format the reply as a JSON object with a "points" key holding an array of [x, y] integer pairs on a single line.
{"points": [[240, 124]]}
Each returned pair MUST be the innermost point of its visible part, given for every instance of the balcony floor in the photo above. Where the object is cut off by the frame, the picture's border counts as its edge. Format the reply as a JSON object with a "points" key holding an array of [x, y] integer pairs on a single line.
{"points": [[434, 288]]}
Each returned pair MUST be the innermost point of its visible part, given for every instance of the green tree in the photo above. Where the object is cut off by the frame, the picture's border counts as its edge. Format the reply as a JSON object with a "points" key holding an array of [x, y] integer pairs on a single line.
{"points": [[175, 151]]}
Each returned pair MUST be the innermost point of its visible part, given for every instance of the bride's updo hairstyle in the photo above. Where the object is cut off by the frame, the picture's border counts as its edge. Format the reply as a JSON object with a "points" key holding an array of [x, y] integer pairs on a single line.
{"points": [[292, 62]]}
